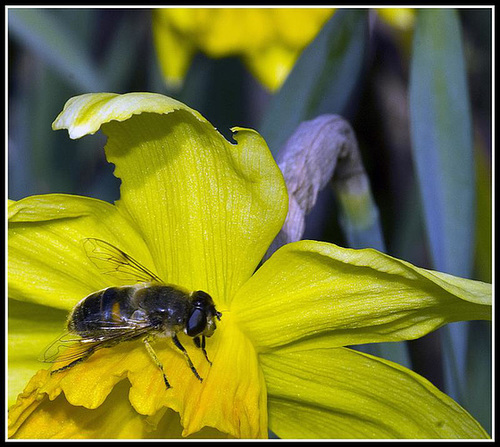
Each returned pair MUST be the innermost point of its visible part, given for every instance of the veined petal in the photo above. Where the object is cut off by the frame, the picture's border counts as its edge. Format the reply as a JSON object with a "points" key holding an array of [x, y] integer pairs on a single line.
{"points": [[84, 114], [48, 267], [46, 260], [207, 209], [341, 393], [312, 289]]}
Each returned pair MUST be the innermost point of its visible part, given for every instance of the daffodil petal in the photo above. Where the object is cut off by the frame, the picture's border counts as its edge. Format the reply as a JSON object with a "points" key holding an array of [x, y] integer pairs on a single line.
{"points": [[208, 209], [273, 60], [31, 329], [114, 419], [315, 289], [271, 65], [341, 393], [231, 398], [227, 31], [84, 114], [59, 419], [266, 38], [174, 52], [47, 263]]}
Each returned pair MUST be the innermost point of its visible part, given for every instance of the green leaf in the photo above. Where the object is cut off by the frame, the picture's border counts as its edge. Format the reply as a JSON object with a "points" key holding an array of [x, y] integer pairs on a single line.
{"points": [[442, 139], [442, 147], [483, 254], [323, 78], [479, 383], [54, 43], [120, 59]]}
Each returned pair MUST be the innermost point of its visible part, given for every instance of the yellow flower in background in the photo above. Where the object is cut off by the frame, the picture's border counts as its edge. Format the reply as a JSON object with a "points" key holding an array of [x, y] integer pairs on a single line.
{"points": [[400, 18], [201, 212], [401, 22], [269, 40]]}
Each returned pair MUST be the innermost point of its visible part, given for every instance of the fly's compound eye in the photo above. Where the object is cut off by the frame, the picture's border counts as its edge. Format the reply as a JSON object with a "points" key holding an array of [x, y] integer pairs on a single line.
{"points": [[197, 323]]}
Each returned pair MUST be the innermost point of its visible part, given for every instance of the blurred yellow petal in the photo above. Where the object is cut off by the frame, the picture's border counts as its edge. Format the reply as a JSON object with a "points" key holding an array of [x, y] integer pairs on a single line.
{"points": [[207, 209], [268, 39], [271, 65], [351, 297], [174, 53], [399, 18], [341, 393]]}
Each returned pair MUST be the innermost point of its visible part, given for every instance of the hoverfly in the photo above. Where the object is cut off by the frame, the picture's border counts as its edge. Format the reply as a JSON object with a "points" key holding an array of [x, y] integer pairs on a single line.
{"points": [[146, 309]]}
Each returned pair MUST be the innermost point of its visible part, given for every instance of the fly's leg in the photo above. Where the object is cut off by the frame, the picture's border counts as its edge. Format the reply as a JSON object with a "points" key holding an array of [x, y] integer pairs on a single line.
{"points": [[190, 363], [201, 345], [74, 362], [152, 354]]}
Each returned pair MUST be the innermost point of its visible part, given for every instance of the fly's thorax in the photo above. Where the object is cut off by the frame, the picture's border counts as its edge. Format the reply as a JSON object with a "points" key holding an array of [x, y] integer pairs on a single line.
{"points": [[110, 305], [166, 306]]}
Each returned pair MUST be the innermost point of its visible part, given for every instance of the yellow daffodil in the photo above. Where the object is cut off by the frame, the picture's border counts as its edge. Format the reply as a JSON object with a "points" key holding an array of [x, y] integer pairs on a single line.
{"points": [[200, 212], [268, 39]]}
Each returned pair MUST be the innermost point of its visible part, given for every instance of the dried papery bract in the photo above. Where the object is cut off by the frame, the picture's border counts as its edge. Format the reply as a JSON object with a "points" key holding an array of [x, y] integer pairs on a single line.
{"points": [[320, 151]]}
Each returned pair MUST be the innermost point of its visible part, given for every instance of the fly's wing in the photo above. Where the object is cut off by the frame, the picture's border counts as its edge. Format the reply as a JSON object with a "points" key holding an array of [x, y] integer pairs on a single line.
{"points": [[58, 347], [112, 261], [69, 347]]}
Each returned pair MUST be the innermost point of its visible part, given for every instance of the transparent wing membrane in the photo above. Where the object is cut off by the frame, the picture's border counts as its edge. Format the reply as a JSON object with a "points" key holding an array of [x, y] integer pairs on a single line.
{"points": [[112, 261], [58, 347], [69, 347]]}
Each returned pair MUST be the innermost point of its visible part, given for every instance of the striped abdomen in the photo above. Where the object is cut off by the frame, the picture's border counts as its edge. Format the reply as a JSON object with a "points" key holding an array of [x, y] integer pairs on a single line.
{"points": [[110, 305]]}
